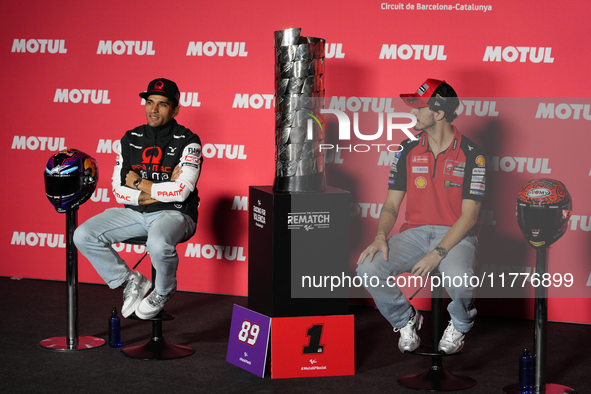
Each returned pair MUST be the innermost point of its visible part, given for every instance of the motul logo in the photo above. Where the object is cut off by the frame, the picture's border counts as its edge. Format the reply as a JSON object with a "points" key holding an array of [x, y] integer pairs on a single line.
{"points": [[217, 48], [82, 95], [108, 146], [41, 143], [41, 46], [478, 108], [120, 247], [363, 104], [580, 222], [255, 101], [38, 239], [365, 208], [509, 164], [100, 195], [331, 156], [187, 99], [240, 203], [414, 52], [334, 51], [523, 54], [124, 47], [563, 111], [217, 150], [218, 252]]}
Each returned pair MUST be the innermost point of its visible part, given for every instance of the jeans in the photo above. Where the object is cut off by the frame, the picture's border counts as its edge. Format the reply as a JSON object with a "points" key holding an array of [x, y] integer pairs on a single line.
{"points": [[164, 229], [405, 250]]}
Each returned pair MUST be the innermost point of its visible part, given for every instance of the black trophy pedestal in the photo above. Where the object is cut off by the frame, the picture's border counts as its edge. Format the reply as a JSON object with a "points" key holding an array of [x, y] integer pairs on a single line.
{"points": [[293, 237]]}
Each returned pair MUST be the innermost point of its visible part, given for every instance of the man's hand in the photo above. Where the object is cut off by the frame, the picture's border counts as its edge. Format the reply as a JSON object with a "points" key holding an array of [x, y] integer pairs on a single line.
{"points": [[176, 173], [130, 178], [145, 199], [427, 264], [380, 244]]}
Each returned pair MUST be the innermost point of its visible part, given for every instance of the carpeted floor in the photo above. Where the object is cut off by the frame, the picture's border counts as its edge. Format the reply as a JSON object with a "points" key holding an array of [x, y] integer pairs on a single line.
{"points": [[33, 310]]}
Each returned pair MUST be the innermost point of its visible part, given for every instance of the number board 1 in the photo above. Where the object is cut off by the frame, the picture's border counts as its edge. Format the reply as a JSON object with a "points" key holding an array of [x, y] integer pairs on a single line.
{"points": [[310, 346], [249, 339]]}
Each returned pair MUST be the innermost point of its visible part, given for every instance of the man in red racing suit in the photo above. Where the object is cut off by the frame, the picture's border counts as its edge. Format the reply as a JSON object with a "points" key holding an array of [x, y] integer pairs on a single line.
{"points": [[443, 174]]}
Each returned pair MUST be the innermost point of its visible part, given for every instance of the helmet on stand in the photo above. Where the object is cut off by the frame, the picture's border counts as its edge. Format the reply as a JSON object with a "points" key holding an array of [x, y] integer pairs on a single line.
{"points": [[70, 179], [544, 207]]}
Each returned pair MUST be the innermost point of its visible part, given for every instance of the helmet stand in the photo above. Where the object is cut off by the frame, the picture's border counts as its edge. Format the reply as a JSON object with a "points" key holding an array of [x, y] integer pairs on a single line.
{"points": [[540, 321], [72, 341]]}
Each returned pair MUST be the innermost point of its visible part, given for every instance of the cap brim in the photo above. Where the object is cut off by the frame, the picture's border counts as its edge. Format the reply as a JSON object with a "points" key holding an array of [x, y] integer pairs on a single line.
{"points": [[145, 96], [412, 100]]}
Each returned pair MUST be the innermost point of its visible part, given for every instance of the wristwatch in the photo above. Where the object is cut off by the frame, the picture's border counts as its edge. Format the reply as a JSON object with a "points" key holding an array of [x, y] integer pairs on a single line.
{"points": [[441, 252], [136, 183]]}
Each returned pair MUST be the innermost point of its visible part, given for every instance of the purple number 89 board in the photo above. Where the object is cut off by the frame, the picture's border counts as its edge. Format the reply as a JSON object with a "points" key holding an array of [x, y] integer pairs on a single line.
{"points": [[249, 339]]}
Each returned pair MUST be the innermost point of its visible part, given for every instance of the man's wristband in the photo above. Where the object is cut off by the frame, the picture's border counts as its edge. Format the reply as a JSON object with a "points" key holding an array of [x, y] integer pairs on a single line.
{"points": [[136, 183]]}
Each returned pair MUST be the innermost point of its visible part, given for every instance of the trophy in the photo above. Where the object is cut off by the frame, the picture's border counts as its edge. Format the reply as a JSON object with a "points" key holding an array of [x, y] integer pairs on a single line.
{"points": [[299, 126]]}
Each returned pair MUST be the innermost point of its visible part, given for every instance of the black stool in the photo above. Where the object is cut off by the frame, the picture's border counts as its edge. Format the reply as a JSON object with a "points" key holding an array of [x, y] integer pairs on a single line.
{"points": [[436, 378], [157, 348]]}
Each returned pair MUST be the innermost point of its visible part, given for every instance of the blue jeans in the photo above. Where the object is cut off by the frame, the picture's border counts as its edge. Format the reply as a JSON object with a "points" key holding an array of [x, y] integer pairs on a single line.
{"points": [[164, 229], [405, 250]]}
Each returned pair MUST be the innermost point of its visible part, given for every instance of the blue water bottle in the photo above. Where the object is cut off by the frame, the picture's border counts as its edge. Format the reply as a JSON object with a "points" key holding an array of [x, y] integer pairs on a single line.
{"points": [[114, 329], [526, 372]]}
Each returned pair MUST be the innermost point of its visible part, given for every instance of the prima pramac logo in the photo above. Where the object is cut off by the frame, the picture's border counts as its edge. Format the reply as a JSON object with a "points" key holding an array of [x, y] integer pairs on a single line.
{"points": [[152, 155]]}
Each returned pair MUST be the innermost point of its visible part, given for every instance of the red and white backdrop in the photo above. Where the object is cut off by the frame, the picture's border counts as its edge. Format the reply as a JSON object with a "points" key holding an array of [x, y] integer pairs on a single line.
{"points": [[72, 73]]}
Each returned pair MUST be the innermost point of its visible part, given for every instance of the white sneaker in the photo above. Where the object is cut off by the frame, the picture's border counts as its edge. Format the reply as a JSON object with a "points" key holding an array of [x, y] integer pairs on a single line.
{"points": [[452, 340], [135, 289], [152, 305], [409, 340]]}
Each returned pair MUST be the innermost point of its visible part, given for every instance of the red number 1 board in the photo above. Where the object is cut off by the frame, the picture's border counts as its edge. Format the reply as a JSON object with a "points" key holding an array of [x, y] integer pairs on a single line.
{"points": [[312, 346]]}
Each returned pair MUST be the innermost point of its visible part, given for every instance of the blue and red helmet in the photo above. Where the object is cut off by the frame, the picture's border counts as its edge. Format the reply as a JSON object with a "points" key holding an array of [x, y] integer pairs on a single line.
{"points": [[70, 179]]}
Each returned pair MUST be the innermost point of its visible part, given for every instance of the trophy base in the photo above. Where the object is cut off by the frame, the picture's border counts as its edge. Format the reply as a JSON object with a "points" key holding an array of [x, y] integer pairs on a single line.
{"points": [[282, 252], [303, 183]]}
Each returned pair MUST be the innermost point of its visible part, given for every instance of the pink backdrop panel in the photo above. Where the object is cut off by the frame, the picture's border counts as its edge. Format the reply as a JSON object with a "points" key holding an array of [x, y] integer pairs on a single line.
{"points": [[72, 74]]}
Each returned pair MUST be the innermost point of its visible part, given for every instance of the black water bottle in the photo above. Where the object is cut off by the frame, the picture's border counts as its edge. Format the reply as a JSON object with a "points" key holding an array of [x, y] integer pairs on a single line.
{"points": [[114, 329], [526, 372]]}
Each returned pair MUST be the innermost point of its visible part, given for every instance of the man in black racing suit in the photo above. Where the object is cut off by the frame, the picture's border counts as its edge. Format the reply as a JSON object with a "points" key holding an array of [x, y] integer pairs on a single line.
{"points": [[155, 177]]}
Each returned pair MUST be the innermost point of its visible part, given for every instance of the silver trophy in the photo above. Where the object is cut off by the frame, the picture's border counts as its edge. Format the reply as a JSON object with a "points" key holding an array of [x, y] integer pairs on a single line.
{"points": [[299, 126]]}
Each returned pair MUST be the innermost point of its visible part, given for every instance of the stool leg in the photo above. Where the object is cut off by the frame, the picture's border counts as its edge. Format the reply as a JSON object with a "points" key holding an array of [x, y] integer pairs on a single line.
{"points": [[436, 378], [157, 348]]}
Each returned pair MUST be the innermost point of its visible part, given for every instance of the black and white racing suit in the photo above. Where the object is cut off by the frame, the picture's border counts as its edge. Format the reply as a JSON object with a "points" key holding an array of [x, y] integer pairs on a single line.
{"points": [[153, 153]]}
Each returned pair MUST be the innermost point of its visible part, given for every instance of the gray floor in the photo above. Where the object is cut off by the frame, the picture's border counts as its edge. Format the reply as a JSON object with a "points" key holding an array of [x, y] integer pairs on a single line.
{"points": [[33, 310]]}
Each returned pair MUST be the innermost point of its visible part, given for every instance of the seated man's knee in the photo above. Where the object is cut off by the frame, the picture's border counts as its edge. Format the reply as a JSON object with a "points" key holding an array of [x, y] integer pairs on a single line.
{"points": [[81, 235], [159, 247], [367, 268]]}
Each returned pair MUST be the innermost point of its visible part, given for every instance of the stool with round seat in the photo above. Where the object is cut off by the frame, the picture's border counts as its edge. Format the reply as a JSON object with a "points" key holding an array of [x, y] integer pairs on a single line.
{"points": [[157, 348], [436, 378]]}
